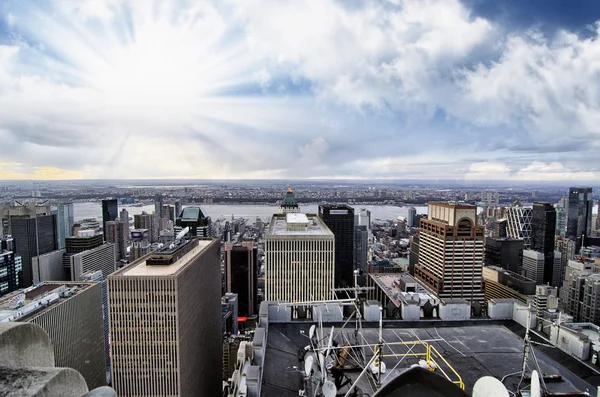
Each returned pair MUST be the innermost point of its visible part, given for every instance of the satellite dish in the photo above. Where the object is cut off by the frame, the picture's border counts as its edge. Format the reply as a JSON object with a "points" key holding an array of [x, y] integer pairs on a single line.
{"points": [[489, 386], [182, 233], [329, 389], [536, 390], [311, 331], [308, 363]]}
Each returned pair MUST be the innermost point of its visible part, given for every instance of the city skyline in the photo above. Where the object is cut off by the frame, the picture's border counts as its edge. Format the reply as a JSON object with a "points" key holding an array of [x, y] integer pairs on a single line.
{"points": [[441, 89]]}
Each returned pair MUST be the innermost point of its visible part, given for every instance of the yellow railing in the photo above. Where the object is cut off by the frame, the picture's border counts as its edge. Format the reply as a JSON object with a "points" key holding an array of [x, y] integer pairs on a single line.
{"points": [[429, 359]]}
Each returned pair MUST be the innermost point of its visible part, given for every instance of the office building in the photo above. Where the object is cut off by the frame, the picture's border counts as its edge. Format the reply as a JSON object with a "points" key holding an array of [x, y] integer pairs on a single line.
{"points": [[158, 205], [518, 224], [193, 217], [102, 258], [83, 241], [500, 228], [164, 320], [146, 221], [566, 247], [241, 275], [115, 232], [361, 247], [561, 220], [579, 215], [299, 259], [71, 315], [411, 218], [178, 209], [543, 230], [229, 314], [110, 212], [500, 283], [27, 210], [49, 267], [11, 267], [413, 254], [124, 217], [33, 237], [140, 243], [289, 205], [504, 252], [168, 213], [339, 218], [598, 220], [546, 298], [533, 265], [65, 220], [451, 252]]}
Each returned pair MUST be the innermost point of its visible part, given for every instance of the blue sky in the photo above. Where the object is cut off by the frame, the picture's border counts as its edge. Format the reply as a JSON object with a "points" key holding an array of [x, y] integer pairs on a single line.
{"points": [[399, 89]]}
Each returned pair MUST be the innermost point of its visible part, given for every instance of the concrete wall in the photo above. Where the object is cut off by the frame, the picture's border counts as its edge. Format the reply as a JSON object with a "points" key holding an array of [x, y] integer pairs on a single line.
{"points": [[570, 341], [410, 311], [48, 267], [456, 309], [501, 309]]}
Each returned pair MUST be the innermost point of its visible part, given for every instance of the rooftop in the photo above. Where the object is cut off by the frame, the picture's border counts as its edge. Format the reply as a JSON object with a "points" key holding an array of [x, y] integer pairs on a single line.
{"points": [[316, 227], [24, 303], [140, 268]]}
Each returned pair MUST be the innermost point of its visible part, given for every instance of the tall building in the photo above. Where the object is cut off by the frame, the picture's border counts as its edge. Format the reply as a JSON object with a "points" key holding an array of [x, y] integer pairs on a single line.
{"points": [[410, 219], [165, 322], [533, 265], [11, 267], [49, 267], [110, 212], [561, 220], [451, 251], [339, 218], [518, 224], [178, 209], [158, 204], [65, 220], [193, 217], [413, 254], [83, 241], [580, 292], [102, 258], [500, 283], [543, 230], [71, 315], [361, 247], [289, 205], [33, 237], [598, 219], [504, 252], [241, 270], [500, 228], [299, 259], [566, 247], [579, 215], [116, 233], [124, 217], [145, 221]]}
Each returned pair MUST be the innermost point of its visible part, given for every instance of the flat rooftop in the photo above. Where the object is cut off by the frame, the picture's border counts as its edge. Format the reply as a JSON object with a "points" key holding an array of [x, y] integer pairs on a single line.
{"points": [[140, 268], [316, 227], [473, 351]]}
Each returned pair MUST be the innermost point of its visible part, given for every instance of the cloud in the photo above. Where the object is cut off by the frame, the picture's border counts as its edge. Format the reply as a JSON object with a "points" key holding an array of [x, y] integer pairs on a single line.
{"points": [[387, 89]]}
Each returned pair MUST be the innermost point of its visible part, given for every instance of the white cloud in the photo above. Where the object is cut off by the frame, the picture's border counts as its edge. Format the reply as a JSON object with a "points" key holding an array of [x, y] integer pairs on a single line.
{"points": [[313, 152], [535, 171]]}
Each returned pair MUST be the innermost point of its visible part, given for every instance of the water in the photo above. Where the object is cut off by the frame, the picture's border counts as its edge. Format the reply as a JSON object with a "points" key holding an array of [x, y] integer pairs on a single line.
{"points": [[215, 211]]}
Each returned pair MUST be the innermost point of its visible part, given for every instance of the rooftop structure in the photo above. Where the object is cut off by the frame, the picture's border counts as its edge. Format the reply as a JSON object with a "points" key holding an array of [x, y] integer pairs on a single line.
{"points": [[297, 225], [289, 203]]}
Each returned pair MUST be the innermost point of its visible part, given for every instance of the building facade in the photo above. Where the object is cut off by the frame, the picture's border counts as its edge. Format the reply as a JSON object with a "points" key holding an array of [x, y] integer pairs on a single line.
{"points": [[579, 215], [116, 233], [543, 230], [451, 252], [241, 275], [145, 221], [49, 267], [110, 212], [500, 283], [65, 220], [505, 252], [289, 205], [299, 259], [102, 258], [165, 322], [518, 224], [361, 247], [339, 218], [11, 267], [71, 315]]}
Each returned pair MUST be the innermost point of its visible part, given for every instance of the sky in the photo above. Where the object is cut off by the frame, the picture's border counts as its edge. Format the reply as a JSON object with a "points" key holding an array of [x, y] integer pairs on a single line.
{"points": [[348, 89]]}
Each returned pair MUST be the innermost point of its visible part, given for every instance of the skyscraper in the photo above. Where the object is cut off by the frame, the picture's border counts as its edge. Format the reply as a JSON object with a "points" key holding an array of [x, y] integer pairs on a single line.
{"points": [[110, 212], [83, 241], [543, 230], [299, 259], [339, 218], [124, 217], [165, 322], [561, 219], [451, 252], [504, 252], [116, 233], [65, 221], [241, 261], [145, 221], [579, 215], [518, 224], [410, 219], [33, 237], [158, 204], [11, 267], [361, 247], [193, 217], [178, 209]]}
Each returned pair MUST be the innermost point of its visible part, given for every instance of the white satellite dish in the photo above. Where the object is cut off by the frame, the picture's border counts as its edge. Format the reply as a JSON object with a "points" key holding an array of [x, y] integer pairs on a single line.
{"points": [[536, 390], [329, 389], [489, 386], [311, 331], [308, 364], [182, 233]]}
